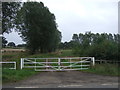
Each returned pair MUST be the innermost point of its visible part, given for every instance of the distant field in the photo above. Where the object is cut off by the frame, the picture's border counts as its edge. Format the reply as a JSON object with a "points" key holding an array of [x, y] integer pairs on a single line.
{"points": [[12, 50]]}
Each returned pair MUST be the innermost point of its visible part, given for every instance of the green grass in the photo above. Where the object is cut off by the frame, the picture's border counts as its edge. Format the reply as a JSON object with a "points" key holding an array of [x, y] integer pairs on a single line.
{"points": [[15, 75], [61, 53], [105, 69], [67, 53]]}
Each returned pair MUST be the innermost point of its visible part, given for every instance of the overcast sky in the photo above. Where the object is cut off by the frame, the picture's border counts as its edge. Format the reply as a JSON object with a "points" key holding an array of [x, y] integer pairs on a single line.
{"points": [[79, 16]]}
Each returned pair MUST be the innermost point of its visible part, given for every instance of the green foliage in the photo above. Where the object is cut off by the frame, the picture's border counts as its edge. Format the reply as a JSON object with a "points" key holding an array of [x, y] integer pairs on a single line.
{"points": [[67, 45], [105, 69], [15, 75], [4, 42], [38, 27], [21, 45], [105, 50], [101, 46], [9, 12], [11, 44]]}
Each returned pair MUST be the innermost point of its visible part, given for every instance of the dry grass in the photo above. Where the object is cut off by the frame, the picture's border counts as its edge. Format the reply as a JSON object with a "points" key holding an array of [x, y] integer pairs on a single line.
{"points": [[13, 50]]}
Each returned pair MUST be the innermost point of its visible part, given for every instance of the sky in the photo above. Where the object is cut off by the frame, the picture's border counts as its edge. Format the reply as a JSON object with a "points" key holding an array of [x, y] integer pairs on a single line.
{"points": [[80, 16]]}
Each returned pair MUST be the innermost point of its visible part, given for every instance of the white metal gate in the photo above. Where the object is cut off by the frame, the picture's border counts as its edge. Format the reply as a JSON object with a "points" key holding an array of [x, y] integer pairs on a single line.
{"points": [[57, 64]]}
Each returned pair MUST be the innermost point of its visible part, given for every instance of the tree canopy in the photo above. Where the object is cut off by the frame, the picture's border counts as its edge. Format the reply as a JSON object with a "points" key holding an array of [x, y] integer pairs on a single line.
{"points": [[100, 46], [9, 13], [11, 44], [103, 46], [4, 42], [38, 28]]}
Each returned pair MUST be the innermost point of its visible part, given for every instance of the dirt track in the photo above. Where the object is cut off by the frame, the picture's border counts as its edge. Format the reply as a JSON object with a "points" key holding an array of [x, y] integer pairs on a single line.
{"points": [[71, 79]]}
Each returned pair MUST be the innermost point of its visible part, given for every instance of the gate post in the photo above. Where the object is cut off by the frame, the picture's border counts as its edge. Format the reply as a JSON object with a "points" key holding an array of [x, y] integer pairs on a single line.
{"points": [[59, 61], [21, 66], [15, 65], [93, 61]]}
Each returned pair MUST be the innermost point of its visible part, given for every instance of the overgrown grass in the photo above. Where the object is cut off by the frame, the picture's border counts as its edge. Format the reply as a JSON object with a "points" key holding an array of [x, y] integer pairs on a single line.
{"points": [[105, 69], [15, 75], [9, 56], [60, 53], [67, 53]]}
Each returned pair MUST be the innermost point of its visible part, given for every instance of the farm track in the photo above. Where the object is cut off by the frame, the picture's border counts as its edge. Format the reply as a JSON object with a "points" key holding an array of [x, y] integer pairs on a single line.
{"points": [[70, 79]]}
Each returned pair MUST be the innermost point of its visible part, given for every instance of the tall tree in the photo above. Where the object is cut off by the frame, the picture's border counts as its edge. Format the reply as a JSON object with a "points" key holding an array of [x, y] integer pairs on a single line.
{"points": [[75, 38], [38, 27], [9, 12]]}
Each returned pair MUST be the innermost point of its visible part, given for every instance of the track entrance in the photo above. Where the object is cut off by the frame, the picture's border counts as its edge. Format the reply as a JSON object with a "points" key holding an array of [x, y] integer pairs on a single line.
{"points": [[69, 79]]}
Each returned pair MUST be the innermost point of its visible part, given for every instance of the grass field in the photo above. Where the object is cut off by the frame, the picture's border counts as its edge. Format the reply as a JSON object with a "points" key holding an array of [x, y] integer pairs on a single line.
{"points": [[16, 75]]}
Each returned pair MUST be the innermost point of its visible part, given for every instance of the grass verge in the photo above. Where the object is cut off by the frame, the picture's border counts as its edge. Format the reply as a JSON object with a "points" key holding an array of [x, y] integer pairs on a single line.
{"points": [[105, 69], [15, 75]]}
